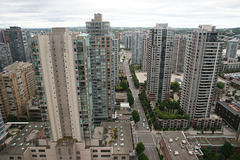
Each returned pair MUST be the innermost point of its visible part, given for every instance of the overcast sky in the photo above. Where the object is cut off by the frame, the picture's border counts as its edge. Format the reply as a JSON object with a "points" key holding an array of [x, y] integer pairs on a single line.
{"points": [[120, 13]]}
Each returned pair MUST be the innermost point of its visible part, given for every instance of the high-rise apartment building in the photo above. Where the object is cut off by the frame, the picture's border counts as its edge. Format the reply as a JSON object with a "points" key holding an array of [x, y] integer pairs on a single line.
{"points": [[102, 72], [179, 47], [128, 41], [145, 52], [25, 38], [159, 65], [18, 86], [6, 57], [61, 60], [116, 58], [201, 67], [232, 47], [137, 47], [13, 36]]}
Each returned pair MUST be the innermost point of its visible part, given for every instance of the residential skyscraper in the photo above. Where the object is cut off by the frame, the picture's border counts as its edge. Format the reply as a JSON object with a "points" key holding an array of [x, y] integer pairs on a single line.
{"points": [[159, 65], [2, 40], [62, 63], [201, 67], [179, 45], [6, 57], [102, 71], [145, 52], [18, 86], [25, 37], [13, 36], [137, 47], [116, 58], [232, 47]]}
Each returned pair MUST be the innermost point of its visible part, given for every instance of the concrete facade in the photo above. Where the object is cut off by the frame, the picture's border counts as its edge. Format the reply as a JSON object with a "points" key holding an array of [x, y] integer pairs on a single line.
{"points": [[145, 52], [6, 57], [137, 47], [201, 67], [64, 86], [232, 47], [179, 45]]}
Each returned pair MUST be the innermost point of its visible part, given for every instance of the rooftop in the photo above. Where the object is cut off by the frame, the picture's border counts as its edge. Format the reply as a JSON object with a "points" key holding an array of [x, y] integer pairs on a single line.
{"points": [[24, 139], [141, 76], [17, 66], [176, 143], [125, 104], [121, 95], [232, 107], [119, 136]]}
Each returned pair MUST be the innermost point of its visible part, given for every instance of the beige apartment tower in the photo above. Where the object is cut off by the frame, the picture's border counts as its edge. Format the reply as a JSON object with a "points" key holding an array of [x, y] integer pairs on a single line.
{"points": [[18, 86], [61, 62]]}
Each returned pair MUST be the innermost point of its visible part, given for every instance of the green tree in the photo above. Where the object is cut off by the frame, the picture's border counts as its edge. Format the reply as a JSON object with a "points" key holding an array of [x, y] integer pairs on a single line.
{"points": [[207, 154], [161, 157], [234, 92], [135, 116], [130, 98], [12, 118], [143, 156], [234, 157], [220, 85], [140, 148], [219, 156], [175, 86], [124, 85], [118, 88], [227, 150]]}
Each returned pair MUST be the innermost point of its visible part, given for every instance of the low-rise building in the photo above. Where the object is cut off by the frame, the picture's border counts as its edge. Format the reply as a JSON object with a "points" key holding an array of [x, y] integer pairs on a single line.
{"points": [[110, 141], [172, 123], [235, 83], [213, 121], [227, 66], [229, 112], [34, 110]]}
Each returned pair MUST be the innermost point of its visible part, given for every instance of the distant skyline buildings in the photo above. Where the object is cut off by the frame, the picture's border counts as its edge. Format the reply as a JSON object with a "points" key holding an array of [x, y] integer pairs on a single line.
{"points": [[39, 14], [232, 48], [137, 47]]}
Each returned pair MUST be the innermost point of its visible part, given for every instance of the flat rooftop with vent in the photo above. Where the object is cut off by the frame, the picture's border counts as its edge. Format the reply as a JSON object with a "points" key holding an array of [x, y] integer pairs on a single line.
{"points": [[116, 135], [175, 146], [24, 139]]}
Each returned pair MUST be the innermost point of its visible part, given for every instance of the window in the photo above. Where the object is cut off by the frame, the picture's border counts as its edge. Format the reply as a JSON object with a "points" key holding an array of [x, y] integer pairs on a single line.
{"points": [[123, 157], [11, 157], [104, 156], [95, 155], [78, 157], [94, 150], [78, 152], [105, 150], [34, 155], [19, 157], [43, 155], [33, 150], [41, 150]]}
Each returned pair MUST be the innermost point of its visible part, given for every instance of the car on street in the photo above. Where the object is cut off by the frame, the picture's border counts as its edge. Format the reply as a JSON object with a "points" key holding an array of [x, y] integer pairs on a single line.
{"points": [[143, 124], [144, 119], [147, 127]]}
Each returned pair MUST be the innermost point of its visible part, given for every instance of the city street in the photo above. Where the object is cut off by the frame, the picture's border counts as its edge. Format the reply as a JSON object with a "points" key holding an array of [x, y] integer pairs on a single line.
{"points": [[141, 133]]}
